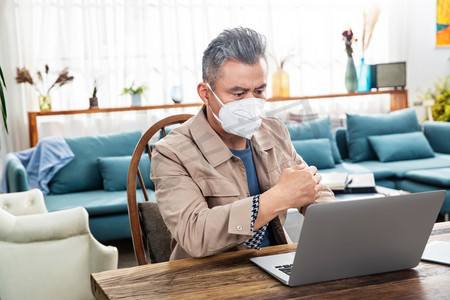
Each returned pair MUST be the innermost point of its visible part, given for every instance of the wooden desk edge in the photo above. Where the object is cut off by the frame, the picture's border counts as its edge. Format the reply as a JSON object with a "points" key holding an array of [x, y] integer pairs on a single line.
{"points": [[99, 293], [102, 277]]}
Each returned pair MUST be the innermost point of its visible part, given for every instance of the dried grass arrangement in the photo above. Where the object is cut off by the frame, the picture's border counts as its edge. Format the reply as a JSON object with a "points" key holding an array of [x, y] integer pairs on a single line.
{"points": [[42, 82], [370, 18]]}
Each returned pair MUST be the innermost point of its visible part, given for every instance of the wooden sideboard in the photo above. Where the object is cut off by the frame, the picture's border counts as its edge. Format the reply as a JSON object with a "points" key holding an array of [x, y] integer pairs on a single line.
{"points": [[399, 100]]}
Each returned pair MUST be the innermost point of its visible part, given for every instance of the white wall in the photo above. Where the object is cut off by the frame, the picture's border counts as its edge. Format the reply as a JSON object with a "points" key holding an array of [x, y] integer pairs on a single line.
{"points": [[413, 39]]}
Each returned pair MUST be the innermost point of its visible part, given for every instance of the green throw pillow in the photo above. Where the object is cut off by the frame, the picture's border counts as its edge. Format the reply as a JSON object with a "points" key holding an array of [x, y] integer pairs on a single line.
{"points": [[82, 173], [315, 129], [359, 127], [401, 146], [315, 152], [114, 172]]}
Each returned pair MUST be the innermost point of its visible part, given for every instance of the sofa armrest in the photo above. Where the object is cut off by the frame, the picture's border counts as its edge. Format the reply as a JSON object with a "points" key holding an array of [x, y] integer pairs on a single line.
{"points": [[437, 134], [16, 175]]}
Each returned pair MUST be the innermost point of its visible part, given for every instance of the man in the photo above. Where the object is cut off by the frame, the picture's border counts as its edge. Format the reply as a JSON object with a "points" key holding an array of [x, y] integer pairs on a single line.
{"points": [[226, 177]]}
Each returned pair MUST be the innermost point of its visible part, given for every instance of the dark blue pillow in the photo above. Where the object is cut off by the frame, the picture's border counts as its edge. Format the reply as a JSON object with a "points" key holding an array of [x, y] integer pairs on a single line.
{"points": [[114, 172], [359, 127], [315, 129], [402, 146], [315, 152]]}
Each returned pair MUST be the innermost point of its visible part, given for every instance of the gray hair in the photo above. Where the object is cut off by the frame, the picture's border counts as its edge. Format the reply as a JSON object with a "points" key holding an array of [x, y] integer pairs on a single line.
{"points": [[242, 44]]}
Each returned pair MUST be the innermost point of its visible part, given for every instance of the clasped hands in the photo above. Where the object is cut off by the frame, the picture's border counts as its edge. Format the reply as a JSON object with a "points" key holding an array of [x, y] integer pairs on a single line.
{"points": [[298, 187]]}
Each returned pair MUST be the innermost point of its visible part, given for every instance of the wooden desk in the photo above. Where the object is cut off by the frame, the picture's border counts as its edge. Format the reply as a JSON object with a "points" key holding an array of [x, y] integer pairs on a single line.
{"points": [[399, 100], [232, 275]]}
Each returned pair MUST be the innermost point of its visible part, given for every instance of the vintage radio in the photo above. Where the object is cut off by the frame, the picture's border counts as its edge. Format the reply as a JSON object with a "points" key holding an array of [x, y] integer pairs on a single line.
{"points": [[388, 75]]}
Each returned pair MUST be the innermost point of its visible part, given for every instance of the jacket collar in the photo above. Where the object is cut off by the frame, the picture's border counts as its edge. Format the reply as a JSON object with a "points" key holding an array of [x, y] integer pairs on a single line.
{"points": [[212, 146]]}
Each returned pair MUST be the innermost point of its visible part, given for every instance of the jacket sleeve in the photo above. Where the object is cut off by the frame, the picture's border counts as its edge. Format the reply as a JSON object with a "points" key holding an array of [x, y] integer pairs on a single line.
{"points": [[199, 230]]}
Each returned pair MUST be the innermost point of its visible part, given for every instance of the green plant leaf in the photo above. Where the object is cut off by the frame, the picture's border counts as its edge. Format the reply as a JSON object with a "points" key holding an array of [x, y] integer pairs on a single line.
{"points": [[2, 78], [3, 104]]}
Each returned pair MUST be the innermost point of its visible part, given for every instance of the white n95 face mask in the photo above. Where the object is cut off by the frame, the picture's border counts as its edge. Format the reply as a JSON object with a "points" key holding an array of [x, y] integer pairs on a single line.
{"points": [[240, 117]]}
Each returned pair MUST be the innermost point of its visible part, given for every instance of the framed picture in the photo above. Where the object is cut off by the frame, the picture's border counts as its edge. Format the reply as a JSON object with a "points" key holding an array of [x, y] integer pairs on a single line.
{"points": [[442, 23]]}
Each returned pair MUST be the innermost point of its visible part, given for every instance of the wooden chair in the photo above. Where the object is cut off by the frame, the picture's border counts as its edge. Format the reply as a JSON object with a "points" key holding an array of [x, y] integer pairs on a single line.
{"points": [[158, 250]]}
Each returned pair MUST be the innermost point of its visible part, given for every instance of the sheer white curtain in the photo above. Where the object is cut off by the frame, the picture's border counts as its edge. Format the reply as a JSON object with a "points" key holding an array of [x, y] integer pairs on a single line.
{"points": [[160, 43]]}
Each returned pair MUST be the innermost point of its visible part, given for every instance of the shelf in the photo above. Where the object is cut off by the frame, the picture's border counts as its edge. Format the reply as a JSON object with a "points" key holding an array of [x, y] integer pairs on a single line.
{"points": [[399, 100]]}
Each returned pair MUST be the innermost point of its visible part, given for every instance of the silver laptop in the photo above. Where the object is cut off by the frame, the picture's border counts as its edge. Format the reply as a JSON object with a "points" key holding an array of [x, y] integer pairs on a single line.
{"points": [[358, 237]]}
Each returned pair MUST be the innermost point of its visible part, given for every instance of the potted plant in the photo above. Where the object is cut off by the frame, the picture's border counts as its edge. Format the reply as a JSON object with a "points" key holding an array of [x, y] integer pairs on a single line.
{"points": [[93, 101], [136, 93], [437, 100]]}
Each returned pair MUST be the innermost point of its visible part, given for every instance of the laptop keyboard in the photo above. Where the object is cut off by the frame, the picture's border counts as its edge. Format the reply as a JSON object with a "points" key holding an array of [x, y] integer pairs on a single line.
{"points": [[285, 269]]}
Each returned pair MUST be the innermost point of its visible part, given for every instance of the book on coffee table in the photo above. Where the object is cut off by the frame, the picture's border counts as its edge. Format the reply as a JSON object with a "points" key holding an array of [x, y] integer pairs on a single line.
{"points": [[349, 183], [361, 183], [336, 181]]}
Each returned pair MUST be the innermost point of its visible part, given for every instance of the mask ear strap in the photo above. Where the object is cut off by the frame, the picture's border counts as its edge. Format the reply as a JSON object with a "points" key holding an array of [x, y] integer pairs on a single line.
{"points": [[217, 118], [215, 94]]}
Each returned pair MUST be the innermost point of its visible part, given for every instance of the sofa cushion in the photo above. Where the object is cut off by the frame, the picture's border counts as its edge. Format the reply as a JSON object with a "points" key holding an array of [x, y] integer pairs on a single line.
{"points": [[114, 171], [399, 168], [359, 127], [355, 168], [341, 142], [315, 152], [438, 134], [315, 129], [401, 146], [439, 177], [417, 187], [82, 173], [97, 203]]}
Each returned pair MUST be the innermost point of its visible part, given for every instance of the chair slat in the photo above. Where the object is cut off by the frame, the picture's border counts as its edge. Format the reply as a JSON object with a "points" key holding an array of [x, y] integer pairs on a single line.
{"points": [[141, 180]]}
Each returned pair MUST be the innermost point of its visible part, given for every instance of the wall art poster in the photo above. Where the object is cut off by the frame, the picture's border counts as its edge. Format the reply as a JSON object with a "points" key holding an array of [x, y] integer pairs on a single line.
{"points": [[442, 23]]}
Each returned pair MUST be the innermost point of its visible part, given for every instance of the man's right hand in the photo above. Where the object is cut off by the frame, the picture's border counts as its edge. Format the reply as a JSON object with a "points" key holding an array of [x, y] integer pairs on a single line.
{"points": [[298, 186]]}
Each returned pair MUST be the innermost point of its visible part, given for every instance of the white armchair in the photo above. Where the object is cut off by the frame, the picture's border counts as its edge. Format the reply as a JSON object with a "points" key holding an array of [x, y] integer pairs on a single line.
{"points": [[47, 255]]}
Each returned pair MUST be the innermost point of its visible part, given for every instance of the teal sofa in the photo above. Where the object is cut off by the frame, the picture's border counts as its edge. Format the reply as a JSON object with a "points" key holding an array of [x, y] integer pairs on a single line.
{"points": [[95, 179], [400, 152]]}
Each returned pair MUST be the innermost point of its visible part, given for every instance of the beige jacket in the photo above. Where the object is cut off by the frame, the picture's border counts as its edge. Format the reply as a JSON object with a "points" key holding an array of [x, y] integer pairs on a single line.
{"points": [[201, 187]]}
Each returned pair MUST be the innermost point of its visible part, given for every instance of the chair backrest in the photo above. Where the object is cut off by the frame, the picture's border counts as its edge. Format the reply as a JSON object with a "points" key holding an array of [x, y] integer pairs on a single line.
{"points": [[23, 203], [49, 255], [146, 217]]}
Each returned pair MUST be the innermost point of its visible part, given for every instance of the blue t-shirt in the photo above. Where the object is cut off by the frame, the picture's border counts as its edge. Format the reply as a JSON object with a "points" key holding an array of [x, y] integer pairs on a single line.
{"points": [[252, 179]]}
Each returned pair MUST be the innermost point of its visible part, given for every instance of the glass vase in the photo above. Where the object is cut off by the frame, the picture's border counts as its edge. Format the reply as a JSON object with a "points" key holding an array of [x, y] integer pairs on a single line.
{"points": [[351, 81], [280, 83], [176, 93], [45, 103], [363, 77]]}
